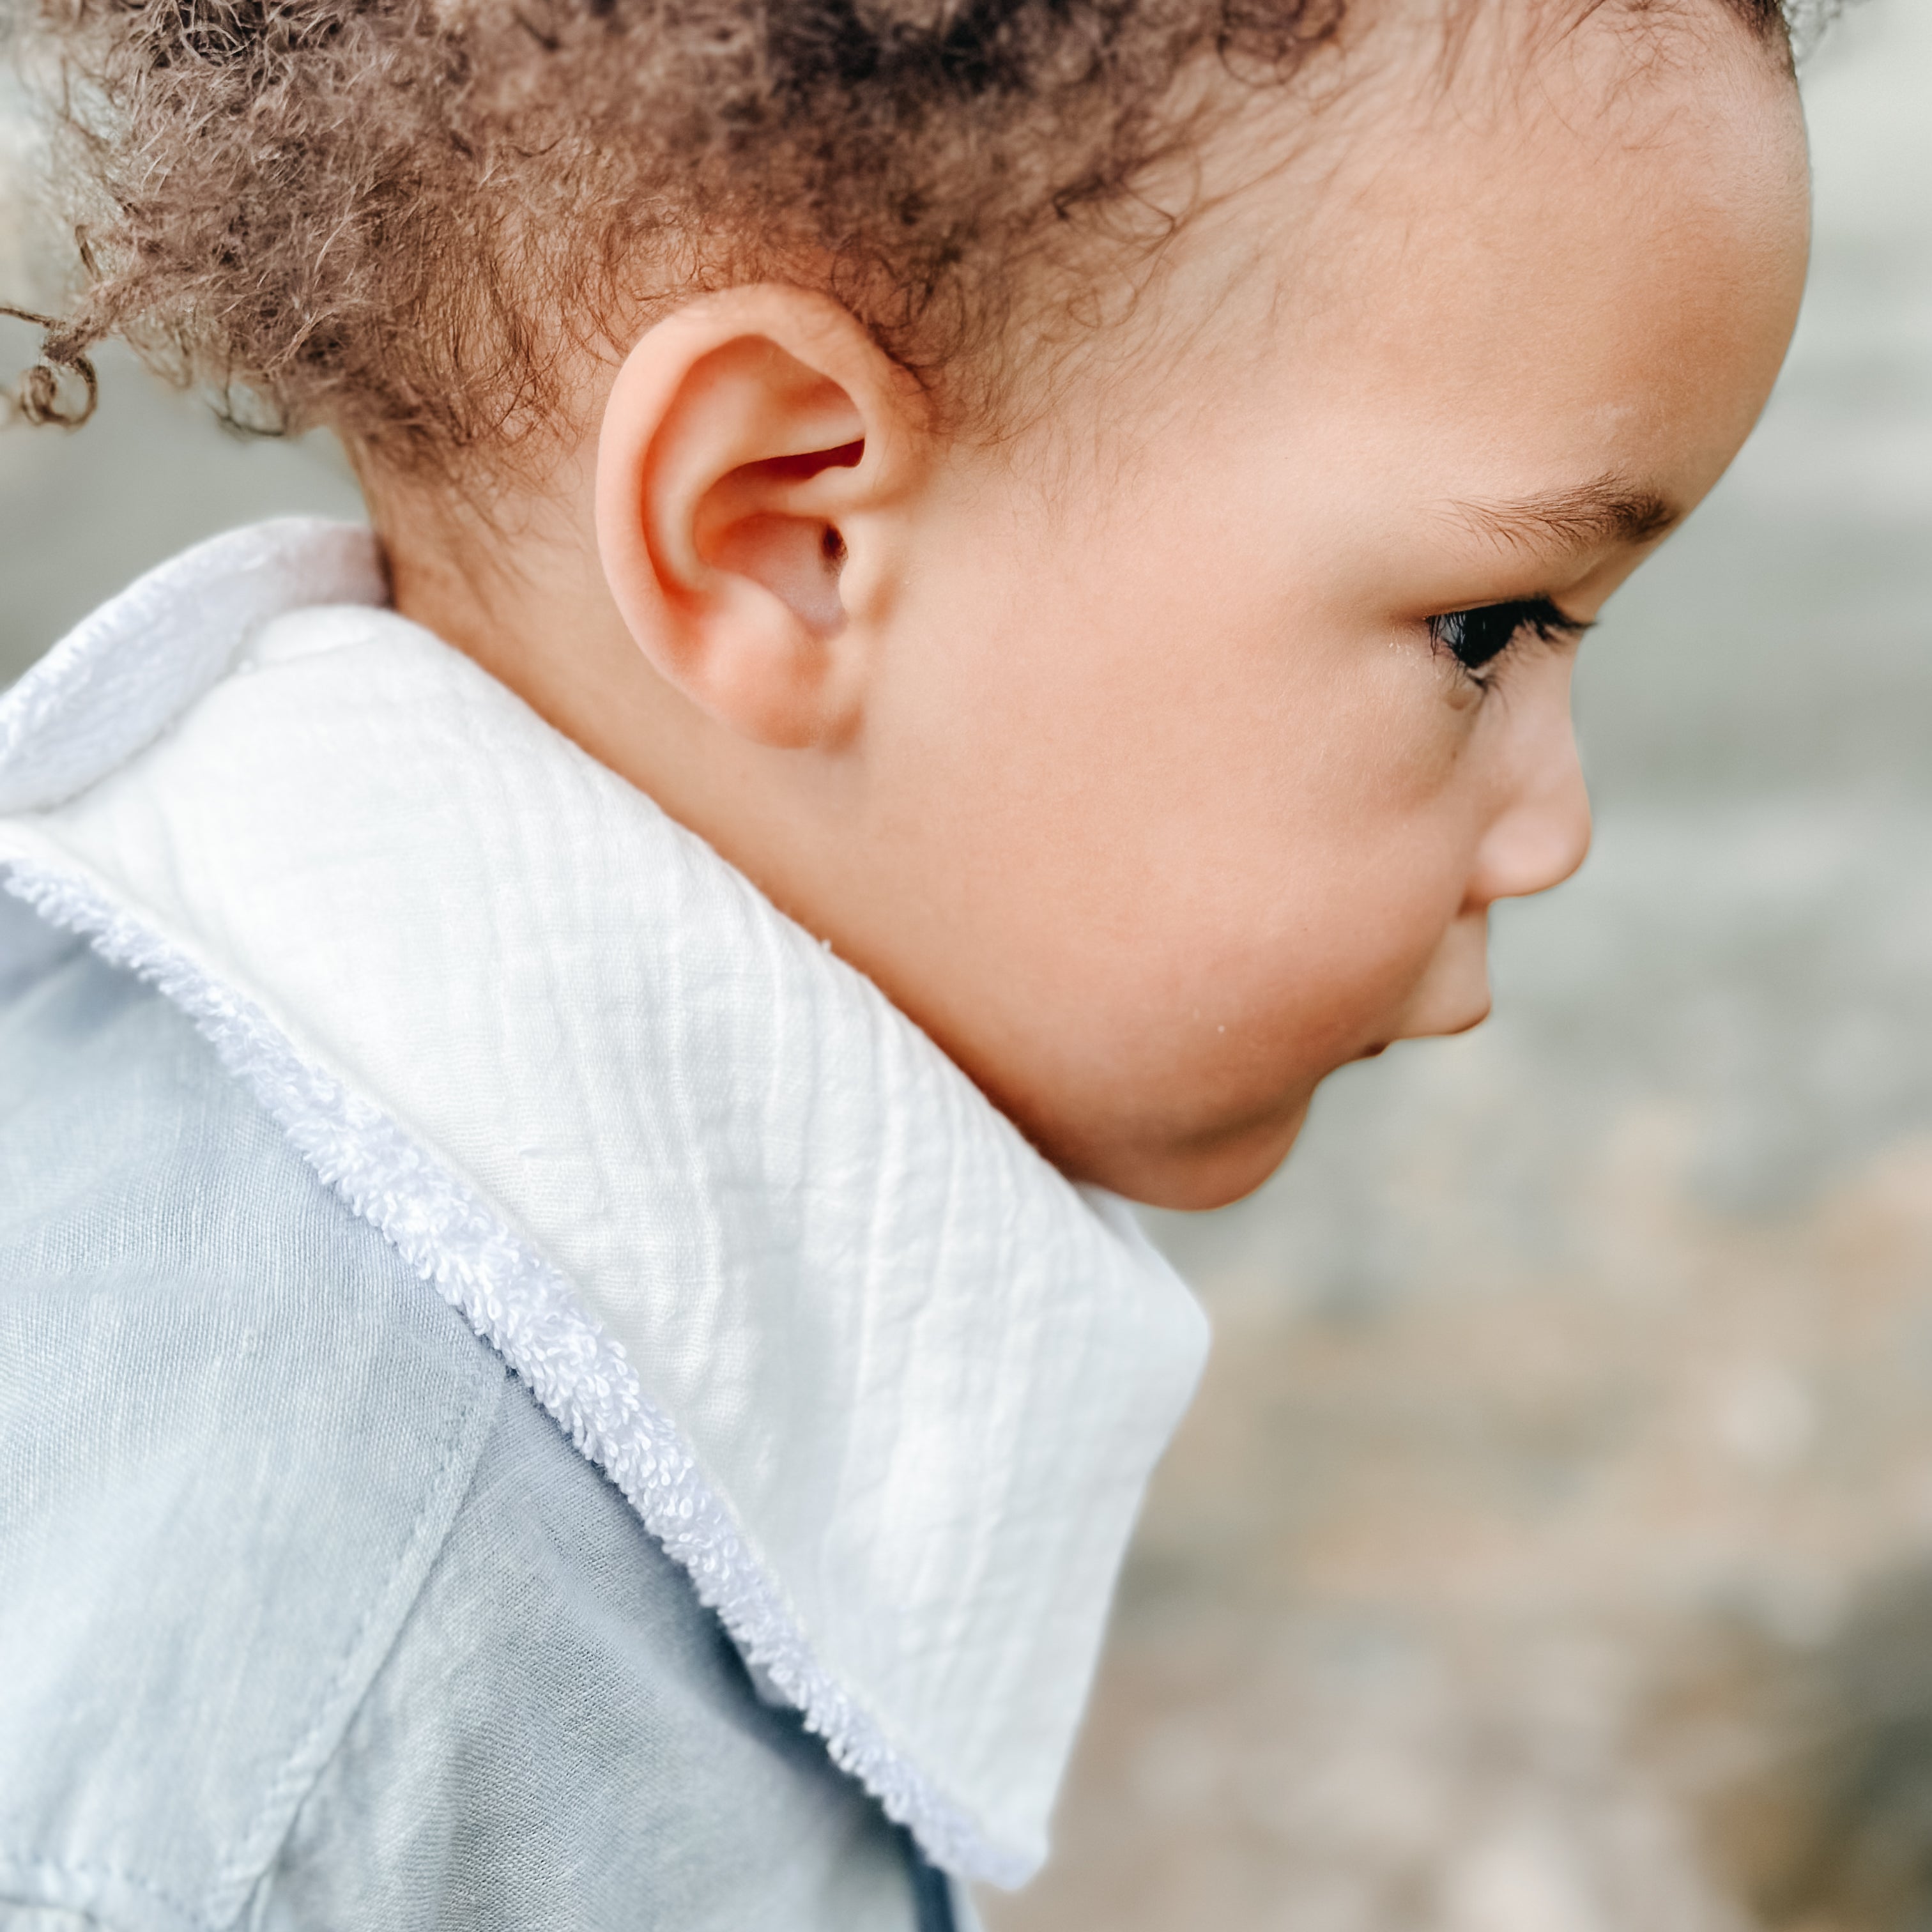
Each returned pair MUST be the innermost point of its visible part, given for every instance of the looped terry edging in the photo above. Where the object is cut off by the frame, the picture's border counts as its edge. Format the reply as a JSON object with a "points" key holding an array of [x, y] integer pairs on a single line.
{"points": [[521, 1305]]}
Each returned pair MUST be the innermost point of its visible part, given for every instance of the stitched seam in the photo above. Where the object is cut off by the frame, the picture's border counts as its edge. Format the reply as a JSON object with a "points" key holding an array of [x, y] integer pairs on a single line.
{"points": [[187, 1913], [463, 1427], [526, 1310], [466, 1427]]}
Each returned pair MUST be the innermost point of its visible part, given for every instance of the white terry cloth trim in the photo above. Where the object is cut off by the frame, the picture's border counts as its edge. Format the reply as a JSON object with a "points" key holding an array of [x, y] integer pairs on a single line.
{"points": [[86, 707], [881, 1381], [525, 1310]]}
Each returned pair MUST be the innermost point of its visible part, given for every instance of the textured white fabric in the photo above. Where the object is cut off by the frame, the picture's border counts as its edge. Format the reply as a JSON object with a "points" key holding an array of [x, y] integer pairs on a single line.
{"points": [[88, 706], [885, 1383]]}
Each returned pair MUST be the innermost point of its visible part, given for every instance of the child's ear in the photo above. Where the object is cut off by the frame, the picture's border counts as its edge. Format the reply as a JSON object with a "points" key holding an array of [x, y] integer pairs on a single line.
{"points": [[752, 453]]}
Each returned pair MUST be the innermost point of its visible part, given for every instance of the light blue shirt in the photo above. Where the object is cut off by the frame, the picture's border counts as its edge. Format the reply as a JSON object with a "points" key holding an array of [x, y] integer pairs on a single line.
{"points": [[309, 1616]]}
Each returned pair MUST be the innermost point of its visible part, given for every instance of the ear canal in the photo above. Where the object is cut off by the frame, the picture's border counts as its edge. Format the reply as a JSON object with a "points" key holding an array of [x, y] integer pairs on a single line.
{"points": [[767, 521]]}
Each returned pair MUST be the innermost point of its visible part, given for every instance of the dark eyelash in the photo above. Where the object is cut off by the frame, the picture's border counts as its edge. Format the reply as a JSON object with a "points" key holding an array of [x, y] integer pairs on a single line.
{"points": [[1477, 638]]}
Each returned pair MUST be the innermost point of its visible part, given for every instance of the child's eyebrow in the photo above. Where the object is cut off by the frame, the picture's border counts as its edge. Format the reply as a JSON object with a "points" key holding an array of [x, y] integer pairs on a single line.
{"points": [[1590, 517]]}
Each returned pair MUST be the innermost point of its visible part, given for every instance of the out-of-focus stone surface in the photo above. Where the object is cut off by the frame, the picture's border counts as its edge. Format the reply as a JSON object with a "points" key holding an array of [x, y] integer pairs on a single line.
{"points": [[1551, 1548], [83, 512]]}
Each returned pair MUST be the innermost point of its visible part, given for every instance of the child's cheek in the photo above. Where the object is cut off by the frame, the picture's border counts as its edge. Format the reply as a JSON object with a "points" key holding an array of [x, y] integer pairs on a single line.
{"points": [[1281, 972]]}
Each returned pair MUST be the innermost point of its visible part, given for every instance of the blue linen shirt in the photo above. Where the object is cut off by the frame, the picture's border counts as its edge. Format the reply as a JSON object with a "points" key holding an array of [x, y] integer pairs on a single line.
{"points": [[310, 1618]]}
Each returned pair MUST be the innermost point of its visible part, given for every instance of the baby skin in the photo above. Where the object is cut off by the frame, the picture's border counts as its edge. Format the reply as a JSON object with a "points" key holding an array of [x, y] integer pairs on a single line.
{"points": [[1167, 750]]}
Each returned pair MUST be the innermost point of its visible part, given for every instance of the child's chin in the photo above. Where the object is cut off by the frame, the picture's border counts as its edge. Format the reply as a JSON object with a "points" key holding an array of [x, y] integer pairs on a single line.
{"points": [[1205, 1171]]}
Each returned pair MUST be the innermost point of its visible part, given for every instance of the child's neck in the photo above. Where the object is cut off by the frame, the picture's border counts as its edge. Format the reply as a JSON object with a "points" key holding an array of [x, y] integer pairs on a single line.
{"points": [[522, 596]]}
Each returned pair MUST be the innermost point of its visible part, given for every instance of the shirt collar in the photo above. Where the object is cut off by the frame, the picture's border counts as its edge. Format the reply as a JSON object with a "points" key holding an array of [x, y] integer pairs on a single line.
{"points": [[885, 1383]]}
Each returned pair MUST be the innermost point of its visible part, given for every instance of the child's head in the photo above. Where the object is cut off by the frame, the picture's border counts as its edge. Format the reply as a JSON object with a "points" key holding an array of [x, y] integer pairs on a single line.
{"points": [[1090, 502]]}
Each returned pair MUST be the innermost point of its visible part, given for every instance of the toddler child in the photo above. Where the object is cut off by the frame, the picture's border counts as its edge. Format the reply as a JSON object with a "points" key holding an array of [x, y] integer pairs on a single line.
{"points": [[966, 598]]}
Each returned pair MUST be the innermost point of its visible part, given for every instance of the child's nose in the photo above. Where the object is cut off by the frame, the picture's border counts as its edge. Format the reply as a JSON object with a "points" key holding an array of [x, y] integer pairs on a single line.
{"points": [[1543, 833]]}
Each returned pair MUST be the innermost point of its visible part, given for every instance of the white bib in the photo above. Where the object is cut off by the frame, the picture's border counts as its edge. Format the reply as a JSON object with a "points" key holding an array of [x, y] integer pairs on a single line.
{"points": [[883, 1382]]}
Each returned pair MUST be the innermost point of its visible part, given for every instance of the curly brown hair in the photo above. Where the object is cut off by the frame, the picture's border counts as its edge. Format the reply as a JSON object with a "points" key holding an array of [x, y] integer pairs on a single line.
{"points": [[396, 217]]}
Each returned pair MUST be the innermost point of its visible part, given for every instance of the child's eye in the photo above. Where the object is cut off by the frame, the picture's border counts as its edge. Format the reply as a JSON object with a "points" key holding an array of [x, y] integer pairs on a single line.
{"points": [[1475, 639]]}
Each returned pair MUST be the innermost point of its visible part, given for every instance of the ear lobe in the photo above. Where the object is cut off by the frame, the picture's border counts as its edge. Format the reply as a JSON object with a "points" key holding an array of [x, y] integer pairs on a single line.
{"points": [[739, 468]]}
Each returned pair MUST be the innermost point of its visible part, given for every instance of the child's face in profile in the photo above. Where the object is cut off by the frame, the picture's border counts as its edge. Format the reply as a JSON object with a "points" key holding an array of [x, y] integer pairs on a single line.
{"points": [[1163, 776], [1197, 808]]}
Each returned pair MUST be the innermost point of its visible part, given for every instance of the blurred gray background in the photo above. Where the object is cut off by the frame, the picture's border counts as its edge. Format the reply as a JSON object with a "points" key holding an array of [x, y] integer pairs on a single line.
{"points": [[1551, 1549]]}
